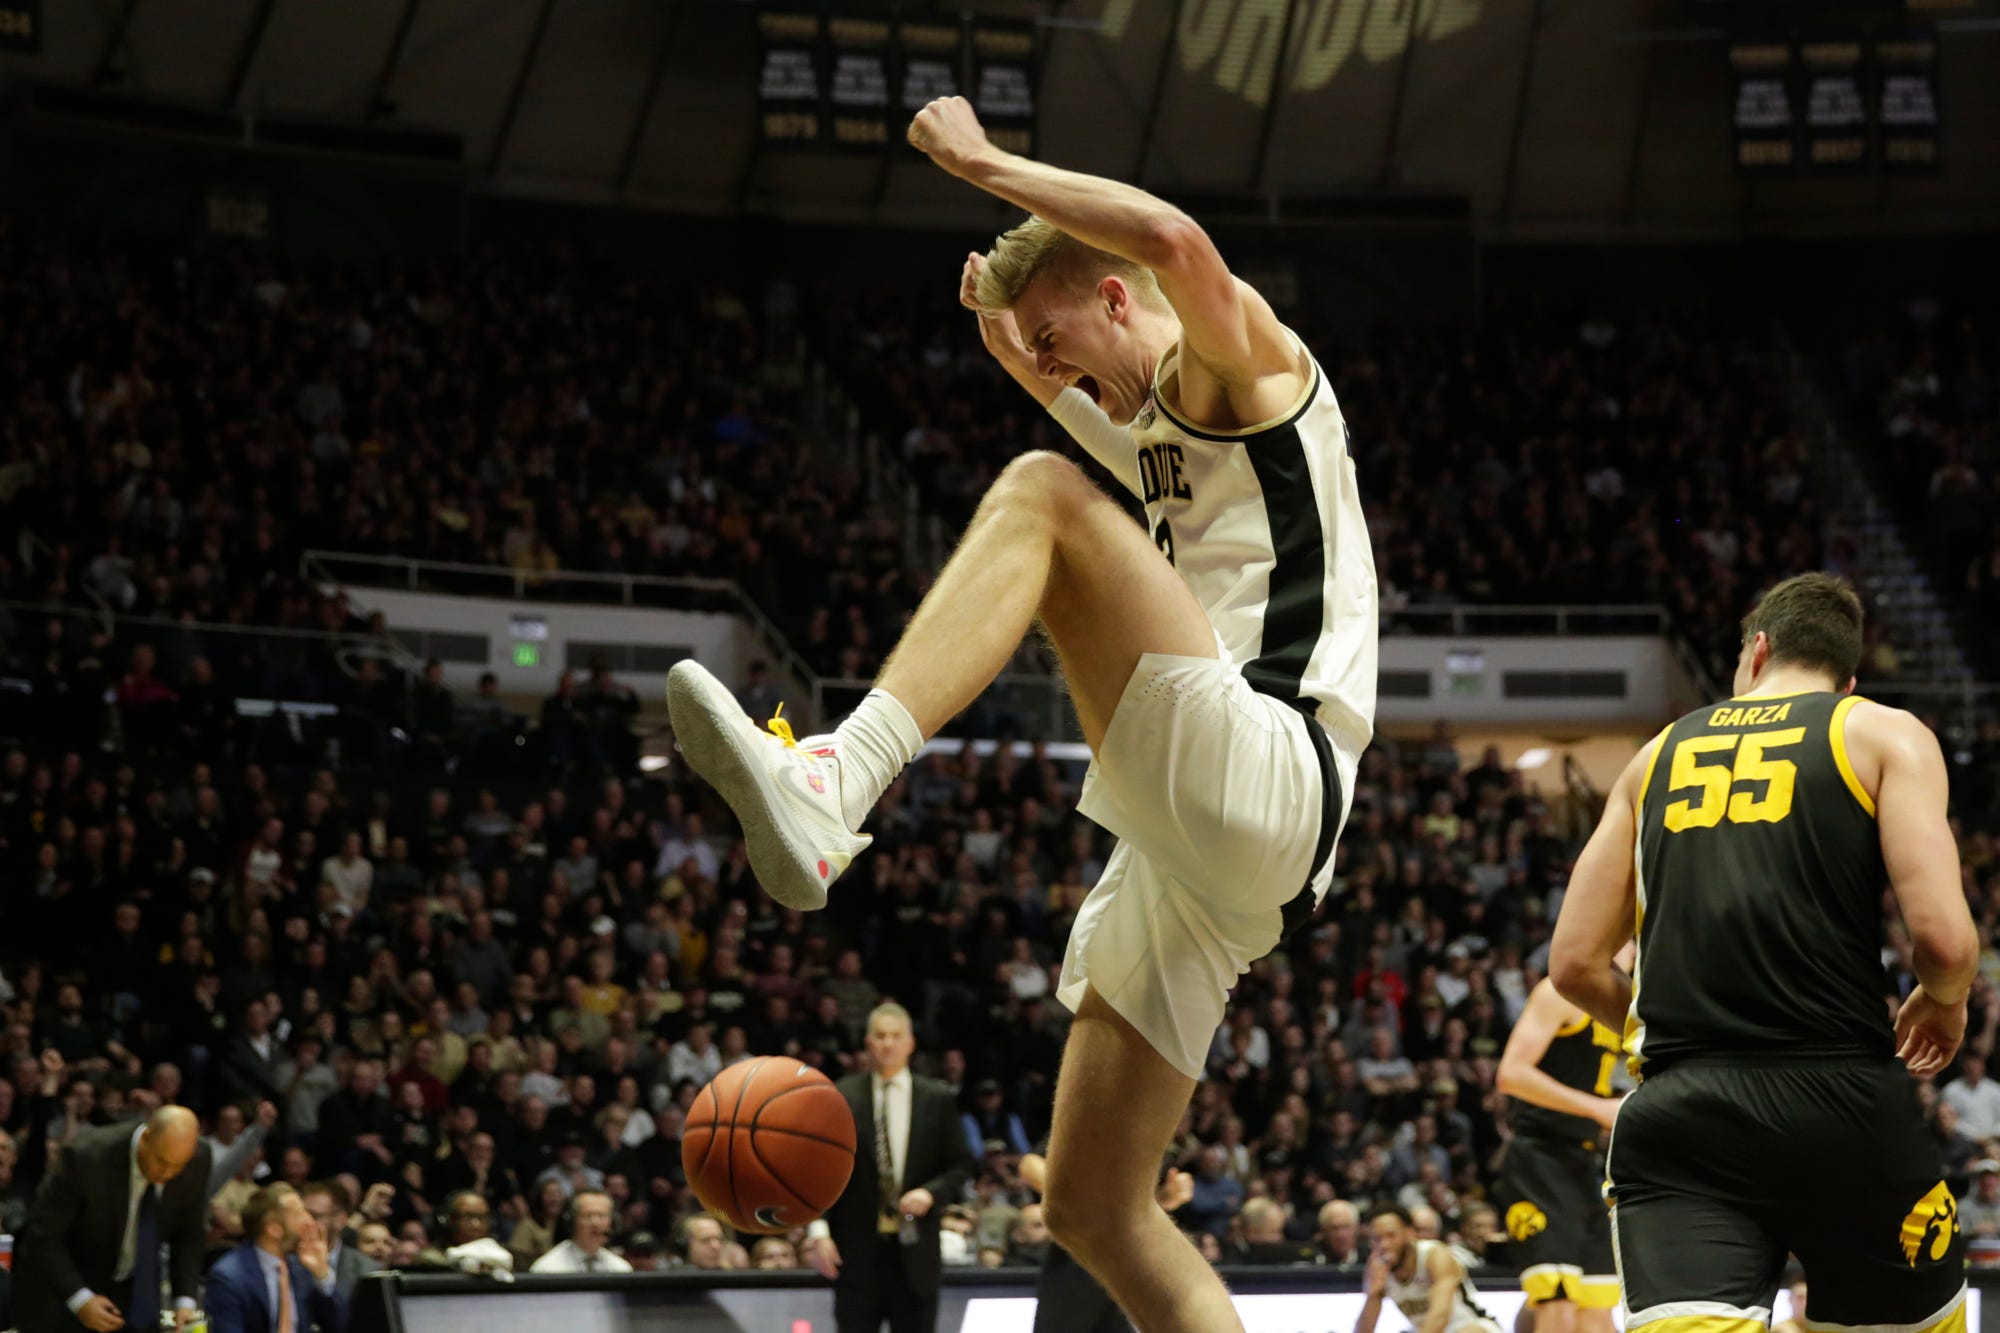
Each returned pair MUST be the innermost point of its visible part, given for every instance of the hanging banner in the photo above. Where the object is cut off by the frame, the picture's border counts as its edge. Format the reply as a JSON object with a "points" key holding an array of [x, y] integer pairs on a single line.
{"points": [[859, 98], [927, 65], [1908, 105], [1003, 84], [791, 92], [1766, 126], [1836, 103]]}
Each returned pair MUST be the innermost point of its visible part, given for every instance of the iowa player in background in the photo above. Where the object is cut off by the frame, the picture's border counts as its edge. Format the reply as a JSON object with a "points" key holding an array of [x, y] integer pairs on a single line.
{"points": [[1747, 846], [1558, 1068]]}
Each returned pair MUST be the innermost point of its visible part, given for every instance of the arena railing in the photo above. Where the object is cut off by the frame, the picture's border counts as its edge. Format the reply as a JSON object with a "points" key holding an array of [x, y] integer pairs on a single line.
{"points": [[453, 578]]}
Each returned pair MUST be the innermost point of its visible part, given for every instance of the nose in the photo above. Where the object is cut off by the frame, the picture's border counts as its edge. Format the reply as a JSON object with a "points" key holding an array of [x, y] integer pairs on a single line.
{"points": [[1045, 364]]}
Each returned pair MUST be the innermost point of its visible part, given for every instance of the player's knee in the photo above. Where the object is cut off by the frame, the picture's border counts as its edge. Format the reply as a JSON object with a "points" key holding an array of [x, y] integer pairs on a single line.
{"points": [[1077, 1219], [1041, 477]]}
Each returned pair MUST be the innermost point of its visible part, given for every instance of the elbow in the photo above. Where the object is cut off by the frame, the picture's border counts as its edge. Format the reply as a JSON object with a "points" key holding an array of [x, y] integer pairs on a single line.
{"points": [[1508, 1079], [1172, 239], [1571, 974]]}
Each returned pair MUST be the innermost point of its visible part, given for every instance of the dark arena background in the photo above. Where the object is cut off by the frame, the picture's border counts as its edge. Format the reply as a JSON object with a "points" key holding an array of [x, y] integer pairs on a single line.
{"points": [[392, 391]]}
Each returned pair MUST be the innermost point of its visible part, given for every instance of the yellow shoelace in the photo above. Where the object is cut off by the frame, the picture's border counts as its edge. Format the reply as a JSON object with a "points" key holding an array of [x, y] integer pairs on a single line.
{"points": [[782, 729]]}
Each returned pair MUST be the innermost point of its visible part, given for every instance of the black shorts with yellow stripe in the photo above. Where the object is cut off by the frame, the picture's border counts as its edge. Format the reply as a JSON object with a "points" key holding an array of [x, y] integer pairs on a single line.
{"points": [[1552, 1200], [1720, 1167]]}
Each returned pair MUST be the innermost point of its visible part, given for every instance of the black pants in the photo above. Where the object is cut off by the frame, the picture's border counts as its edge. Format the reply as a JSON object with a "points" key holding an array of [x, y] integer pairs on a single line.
{"points": [[1719, 1168], [1068, 1299], [863, 1306]]}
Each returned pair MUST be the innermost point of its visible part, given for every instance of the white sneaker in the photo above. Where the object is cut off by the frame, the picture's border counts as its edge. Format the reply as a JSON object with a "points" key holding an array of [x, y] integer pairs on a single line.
{"points": [[786, 797]]}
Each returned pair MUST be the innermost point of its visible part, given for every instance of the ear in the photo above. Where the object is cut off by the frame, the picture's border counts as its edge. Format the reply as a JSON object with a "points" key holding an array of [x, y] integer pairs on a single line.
{"points": [[1117, 298], [1848, 688]]}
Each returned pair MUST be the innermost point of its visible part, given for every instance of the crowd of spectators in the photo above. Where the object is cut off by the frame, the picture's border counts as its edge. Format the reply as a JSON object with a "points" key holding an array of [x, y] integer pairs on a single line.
{"points": [[1923, 384], [183, 426], [1553, 460], [513, 982]]}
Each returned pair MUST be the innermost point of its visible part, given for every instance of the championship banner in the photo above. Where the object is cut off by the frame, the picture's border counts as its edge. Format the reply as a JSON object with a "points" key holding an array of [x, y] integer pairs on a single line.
{"points": [[1836, 104], [927, 64], [1908, 110], [21, 26], [859, 101], [791, 96], [1766, 126], [1003, 84]]}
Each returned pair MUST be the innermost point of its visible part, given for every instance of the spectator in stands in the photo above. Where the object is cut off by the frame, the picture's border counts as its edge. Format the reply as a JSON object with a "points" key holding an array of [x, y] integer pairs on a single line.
{"points": [[1342, 1240], [990, 1120], [1264, 1240], [1975, 1098], [1980, 1213], [702, 1241]]}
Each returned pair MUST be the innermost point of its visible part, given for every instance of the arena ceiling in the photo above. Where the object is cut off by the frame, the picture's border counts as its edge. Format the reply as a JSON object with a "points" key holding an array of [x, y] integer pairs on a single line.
{"points": [[1542, 117]]}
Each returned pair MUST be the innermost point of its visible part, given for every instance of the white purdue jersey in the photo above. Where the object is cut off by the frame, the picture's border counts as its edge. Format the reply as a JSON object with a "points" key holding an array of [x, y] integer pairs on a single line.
{"points": [[1414, 1297], [1265, 527]]}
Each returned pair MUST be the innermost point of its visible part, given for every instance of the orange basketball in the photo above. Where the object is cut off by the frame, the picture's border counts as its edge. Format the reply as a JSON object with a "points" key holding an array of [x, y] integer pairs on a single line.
{"points": [[769, 1145]]}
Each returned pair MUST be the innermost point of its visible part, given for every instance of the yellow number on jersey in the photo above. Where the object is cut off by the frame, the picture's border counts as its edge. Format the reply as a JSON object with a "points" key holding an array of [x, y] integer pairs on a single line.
{"points": [[1714, 781]]}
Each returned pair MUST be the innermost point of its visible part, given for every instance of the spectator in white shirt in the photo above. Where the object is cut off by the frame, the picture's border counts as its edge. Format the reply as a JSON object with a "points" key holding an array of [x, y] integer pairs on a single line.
{"points": [[694, 1057], [585, 1251], [1975, 1097], [688, 843], [351, 874]]}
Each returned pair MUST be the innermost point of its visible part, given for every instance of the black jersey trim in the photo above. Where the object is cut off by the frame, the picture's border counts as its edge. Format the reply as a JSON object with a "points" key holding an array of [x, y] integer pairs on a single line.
{"points": [[1241, 436], [1295, 606]]}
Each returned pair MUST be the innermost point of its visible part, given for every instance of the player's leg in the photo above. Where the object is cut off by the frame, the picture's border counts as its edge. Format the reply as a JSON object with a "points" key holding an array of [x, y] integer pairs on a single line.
{"points": [[1069, 1300], [1045, 544], [1688, 1177], [1555, 1316], [1870, 1216], [1117, 1105]]}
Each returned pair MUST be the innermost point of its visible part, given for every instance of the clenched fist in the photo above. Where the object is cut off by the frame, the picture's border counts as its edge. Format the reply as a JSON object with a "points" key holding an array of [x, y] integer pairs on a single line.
{"points": [[949, 133]]}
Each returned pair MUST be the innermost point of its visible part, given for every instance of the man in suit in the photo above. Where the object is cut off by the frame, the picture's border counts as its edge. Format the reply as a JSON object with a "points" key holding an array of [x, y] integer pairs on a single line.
{"points": [[279, 1280], [89, 1256], [326, 1202], [879, 1241], [248, 1071]]}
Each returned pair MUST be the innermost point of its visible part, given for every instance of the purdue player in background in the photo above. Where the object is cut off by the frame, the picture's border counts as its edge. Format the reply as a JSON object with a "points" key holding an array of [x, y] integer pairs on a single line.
{"points": [[1221, 661], [1747, 845], [1425, 1279], [1557, 1068]]}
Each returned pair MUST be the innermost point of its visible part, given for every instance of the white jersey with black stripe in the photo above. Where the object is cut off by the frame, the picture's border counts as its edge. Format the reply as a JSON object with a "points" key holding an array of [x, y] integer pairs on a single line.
{"points": [[1416, 1297], [1265, 527]]}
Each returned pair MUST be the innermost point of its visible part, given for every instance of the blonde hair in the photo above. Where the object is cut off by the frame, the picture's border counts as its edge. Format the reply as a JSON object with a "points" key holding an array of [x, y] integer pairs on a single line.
{"points": [[1037, 248], [890, 1009]]}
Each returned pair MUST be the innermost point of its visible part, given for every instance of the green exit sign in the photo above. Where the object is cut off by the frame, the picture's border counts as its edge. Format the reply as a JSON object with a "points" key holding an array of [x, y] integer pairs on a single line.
{"points": [[527, 654]]}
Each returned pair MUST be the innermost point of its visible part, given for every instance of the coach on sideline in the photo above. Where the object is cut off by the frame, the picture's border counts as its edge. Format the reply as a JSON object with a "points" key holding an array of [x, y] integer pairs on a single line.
{"points": [[879, 1241], [89, 1255]]}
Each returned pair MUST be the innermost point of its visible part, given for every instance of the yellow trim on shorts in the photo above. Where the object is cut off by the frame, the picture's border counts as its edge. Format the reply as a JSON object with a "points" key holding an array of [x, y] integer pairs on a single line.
{"points": [[1546, 1282], [1836, 731], [1595, 1291]]}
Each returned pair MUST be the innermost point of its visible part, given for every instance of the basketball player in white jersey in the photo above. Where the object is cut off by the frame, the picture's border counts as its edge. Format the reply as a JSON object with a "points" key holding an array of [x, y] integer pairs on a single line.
{"points": [[1221, 662], [1425, 1279]]}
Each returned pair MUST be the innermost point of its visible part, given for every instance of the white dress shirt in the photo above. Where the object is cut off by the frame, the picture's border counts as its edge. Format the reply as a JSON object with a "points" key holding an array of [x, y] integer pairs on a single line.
{"points": [[892, 1100], [567, 1258]]}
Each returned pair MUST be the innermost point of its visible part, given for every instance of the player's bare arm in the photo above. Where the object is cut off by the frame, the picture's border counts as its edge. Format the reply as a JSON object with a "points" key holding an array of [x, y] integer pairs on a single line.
{"points": [[1600, 907], [1447, 1274], [1241, 368], [1898, 756], [1375, 1281], [1520, 1073]]}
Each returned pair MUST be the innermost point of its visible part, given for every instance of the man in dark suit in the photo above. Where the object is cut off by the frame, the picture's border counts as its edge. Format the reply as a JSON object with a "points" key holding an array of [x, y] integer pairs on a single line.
{"points": [[89, 1256], [879, 1242], [279, 1280], [248, 1070]]}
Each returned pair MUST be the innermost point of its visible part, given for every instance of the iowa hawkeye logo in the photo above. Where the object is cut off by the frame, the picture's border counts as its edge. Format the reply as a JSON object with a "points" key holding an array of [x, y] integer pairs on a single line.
{"points": [[1525, 1221], [1930, 1226]]}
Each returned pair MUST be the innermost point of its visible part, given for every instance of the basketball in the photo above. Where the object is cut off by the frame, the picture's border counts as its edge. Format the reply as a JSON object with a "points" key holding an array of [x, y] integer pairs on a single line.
{"points": [[769, 1145]]}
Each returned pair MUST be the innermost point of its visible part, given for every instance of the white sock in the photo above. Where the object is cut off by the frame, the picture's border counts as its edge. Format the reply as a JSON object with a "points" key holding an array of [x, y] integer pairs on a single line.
{"points": [[875, 744]]}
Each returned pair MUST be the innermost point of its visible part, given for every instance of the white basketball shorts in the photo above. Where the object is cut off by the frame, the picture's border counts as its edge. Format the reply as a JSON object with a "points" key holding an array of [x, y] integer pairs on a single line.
{"points": [[1219, 798]]}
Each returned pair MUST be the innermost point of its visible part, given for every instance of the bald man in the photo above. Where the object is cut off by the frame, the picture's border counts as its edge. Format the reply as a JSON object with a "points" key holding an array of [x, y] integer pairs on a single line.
{"points": [[89, 1256]]}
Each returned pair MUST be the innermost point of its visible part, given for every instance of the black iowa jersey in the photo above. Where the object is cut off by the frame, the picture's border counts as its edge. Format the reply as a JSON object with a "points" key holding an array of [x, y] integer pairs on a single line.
{"points": [[1760, 882], [1582, 1055]]}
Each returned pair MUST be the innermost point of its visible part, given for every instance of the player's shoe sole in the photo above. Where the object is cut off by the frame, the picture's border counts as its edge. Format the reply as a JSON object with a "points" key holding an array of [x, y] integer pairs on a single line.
{"points": [[797, 842]]}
